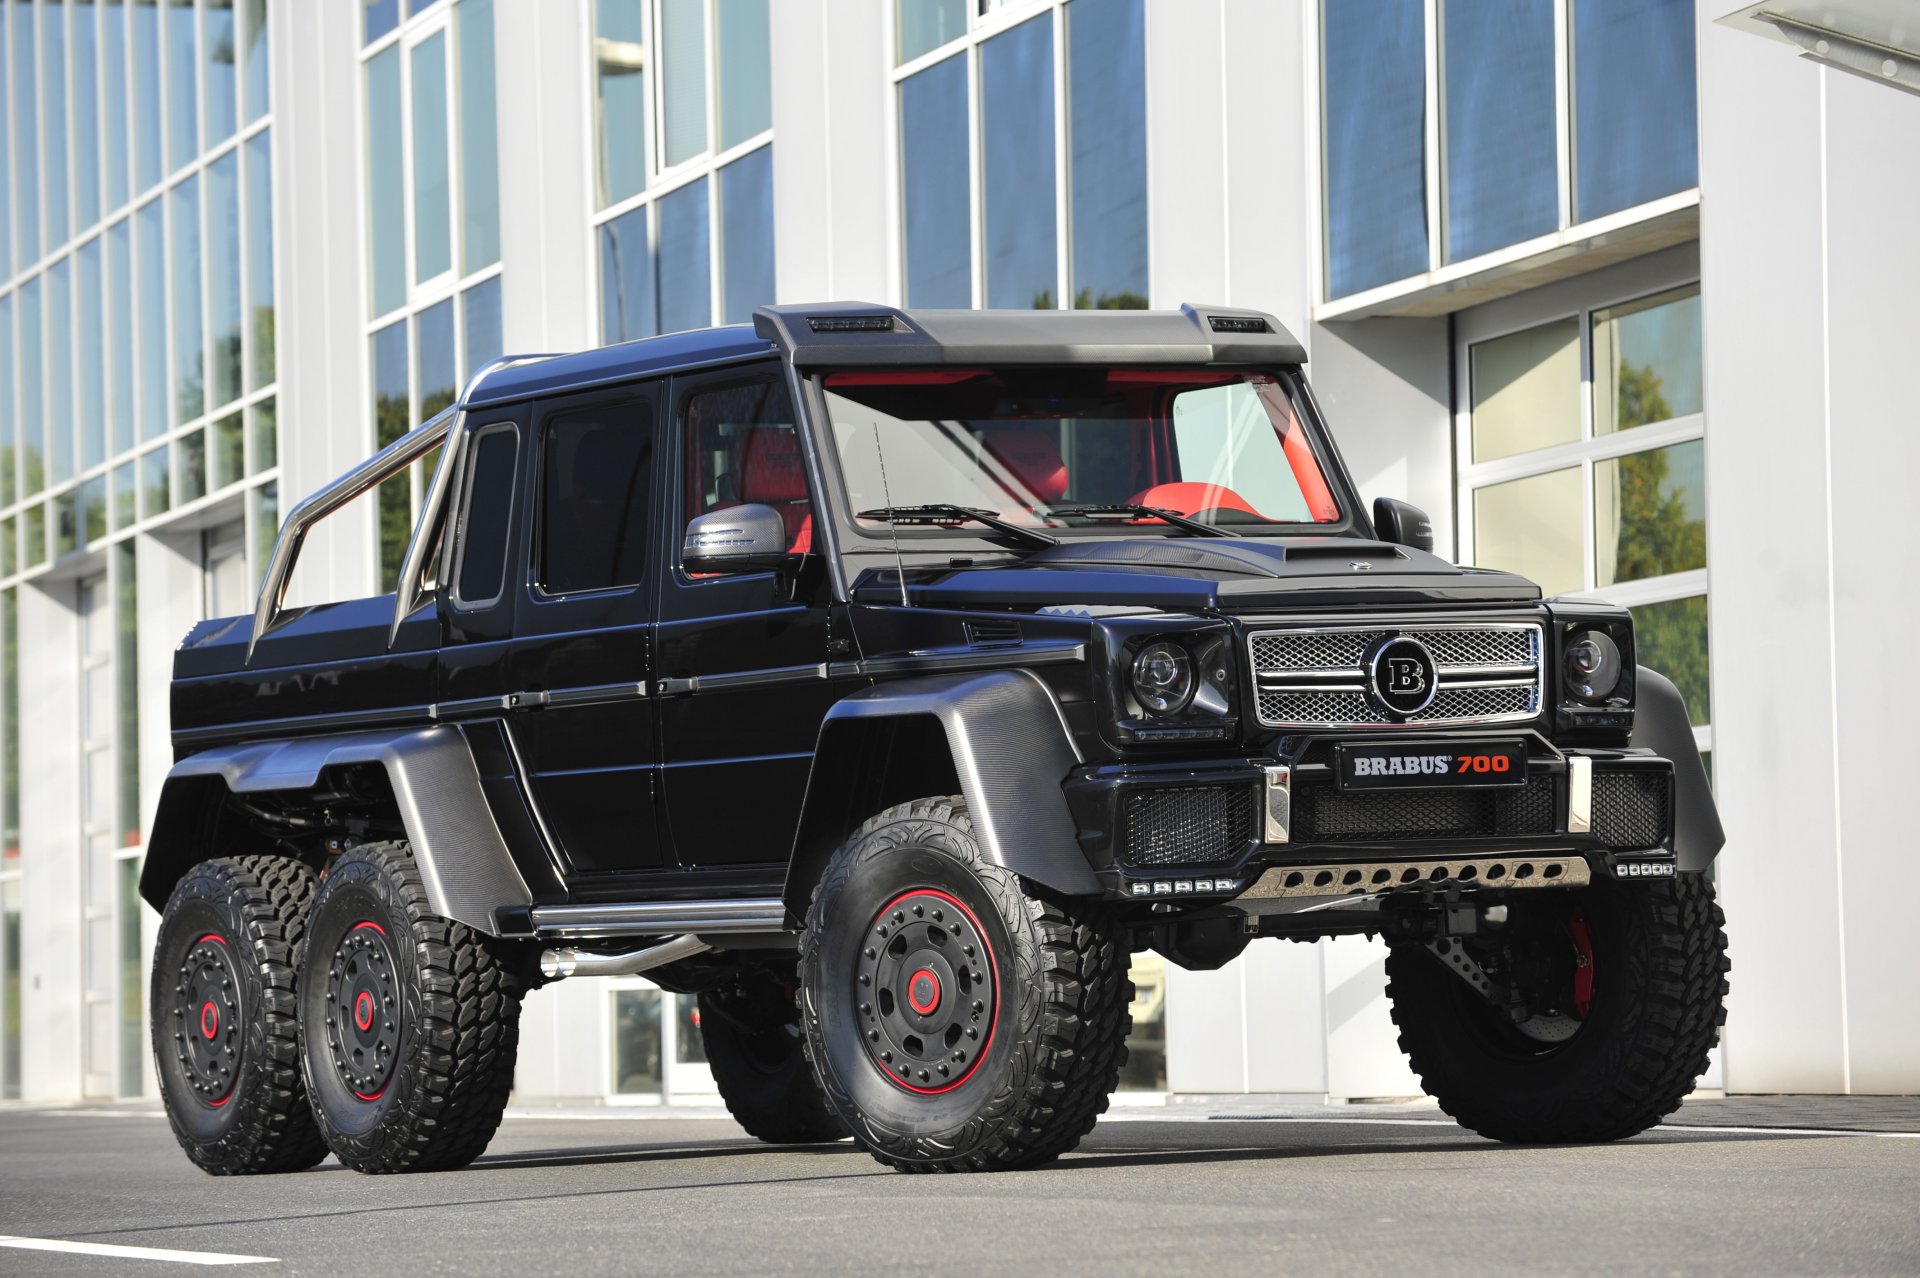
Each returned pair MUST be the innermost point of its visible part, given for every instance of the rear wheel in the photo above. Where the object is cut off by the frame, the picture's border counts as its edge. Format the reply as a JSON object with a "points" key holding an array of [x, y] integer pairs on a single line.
{"points": [[409, 1022], [1606, 1001], [224, 1042], [754, 1047], [959, 1019]]}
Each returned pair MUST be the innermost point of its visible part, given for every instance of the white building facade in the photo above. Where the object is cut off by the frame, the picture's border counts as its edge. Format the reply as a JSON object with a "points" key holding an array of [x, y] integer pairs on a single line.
{"points": [[1619, 291]]}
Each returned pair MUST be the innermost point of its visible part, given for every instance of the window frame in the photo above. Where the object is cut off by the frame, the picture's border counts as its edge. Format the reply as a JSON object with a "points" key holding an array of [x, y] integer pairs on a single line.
{"points": [[1579, 299]]}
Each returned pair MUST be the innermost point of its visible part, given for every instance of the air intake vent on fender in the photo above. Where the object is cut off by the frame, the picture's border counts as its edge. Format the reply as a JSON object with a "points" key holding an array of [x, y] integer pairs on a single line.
{"points": [[984, 634]]}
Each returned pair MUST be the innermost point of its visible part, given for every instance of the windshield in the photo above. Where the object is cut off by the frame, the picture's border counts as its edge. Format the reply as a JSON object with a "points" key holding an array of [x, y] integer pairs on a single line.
{"points": [[1029, 445]]}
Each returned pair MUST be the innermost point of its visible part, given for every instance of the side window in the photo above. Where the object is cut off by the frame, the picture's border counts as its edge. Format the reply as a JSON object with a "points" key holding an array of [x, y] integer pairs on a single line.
{"points": [[486, 517], [593, 499], [741, 448]]}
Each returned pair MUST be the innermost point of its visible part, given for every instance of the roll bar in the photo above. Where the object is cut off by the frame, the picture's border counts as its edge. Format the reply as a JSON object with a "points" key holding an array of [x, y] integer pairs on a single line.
{"points": [[368, 475]]}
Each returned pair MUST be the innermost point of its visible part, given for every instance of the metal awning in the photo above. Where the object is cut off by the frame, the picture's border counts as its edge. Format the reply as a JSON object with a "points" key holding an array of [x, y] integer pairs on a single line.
{"points": [[1875, 39]]}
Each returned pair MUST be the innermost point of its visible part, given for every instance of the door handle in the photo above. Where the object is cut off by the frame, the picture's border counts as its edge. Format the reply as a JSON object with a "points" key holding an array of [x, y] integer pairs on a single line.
{"points": [[523, 701], [676, 687]]}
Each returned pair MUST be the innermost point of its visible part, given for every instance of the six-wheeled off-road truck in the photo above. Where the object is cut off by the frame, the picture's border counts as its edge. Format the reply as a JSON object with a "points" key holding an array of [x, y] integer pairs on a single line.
{"points": [[886, 679]]}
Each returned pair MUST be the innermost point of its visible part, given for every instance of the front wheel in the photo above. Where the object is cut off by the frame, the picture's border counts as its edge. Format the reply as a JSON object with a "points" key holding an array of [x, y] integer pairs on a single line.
{"points": [[1604, 1004], [959, 1019]]}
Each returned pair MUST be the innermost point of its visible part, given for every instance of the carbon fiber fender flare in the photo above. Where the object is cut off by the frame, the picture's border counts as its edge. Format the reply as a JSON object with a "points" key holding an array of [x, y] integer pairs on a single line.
{"points": [[1011, 751], [464, 861], [1661, 724]]}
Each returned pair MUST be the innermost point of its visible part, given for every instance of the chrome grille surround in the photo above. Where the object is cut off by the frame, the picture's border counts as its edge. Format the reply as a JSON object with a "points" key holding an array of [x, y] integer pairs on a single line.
{"points": [[1313, 676]]}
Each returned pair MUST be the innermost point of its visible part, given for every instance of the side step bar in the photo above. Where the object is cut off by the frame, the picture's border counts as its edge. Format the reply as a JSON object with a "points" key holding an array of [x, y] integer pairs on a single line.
{"points": [[662, 918]]}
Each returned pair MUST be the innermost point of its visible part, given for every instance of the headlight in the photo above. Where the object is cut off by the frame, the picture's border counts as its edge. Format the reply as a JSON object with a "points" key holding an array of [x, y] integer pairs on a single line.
{"points": [[1593, 666], [1163, 678]]}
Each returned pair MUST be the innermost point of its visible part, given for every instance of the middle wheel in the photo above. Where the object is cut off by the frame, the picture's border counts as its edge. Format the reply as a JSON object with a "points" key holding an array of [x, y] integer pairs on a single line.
{"points": [[958, 1020]]}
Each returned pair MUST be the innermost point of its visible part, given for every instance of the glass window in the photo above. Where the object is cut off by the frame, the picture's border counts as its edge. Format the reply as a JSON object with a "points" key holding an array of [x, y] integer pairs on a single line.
{"points": [[432, 213], [1671, 637], [686, 299], [113, 83], [479, 146], [934, 186], [594, 498], [222, 89], [133, 1020], [390, 421], [9, 439], [1016, 125], [86, 115], [183, 117], [1374, 109], [92, 496], [1649, 513], [386, 182], [745, 69], [9, 548], [689, 1044], [156, 480], [10, 775], [922, 25], [147, 165], [151, 273], [189, 389], [626, 278], [1532, 526], [223, 275], [260, 295], [265, 435], [482, 303], [35, 533], [90, 354], [637, 1069], [741, 448], [1526, 390], [6, 159], [265, 503], [1635, 119], [33, 408], [53, 101], [229, 460], [1646, 361], [125, 496], [1501, 174], [256, 63], [434, 358], [485, 518], [683, 80], [60, 441], [190, 455], [746, 235], [119, 376], [620, 97], [1107, 143], [26, 131], [382, 16], [1146, 1067]]}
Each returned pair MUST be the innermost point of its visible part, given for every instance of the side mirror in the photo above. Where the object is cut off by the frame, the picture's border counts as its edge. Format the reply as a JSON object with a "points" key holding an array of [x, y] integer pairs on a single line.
{"points": [[1402, 523], [749, 538]]}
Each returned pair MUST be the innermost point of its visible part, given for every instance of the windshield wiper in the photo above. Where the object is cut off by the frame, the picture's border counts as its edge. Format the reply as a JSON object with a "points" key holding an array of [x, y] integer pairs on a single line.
{"points": [[944, 514], [1096, 510]]}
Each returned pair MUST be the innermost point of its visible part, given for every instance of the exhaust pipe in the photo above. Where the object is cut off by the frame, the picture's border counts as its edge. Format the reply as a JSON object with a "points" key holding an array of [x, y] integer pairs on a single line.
{"points": [[555, 964]]}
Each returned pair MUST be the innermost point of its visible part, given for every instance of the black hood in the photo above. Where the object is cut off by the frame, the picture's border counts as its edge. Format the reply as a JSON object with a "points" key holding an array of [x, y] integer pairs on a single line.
{"points": [[1225, 574]]}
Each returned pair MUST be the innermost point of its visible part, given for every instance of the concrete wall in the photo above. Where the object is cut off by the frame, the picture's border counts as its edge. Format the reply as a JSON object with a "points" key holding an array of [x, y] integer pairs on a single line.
{"points": [[1809, 265]]}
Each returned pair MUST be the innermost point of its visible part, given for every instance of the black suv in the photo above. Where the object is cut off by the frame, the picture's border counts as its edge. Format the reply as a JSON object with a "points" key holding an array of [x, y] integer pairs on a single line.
{"points": [[887, 679]]}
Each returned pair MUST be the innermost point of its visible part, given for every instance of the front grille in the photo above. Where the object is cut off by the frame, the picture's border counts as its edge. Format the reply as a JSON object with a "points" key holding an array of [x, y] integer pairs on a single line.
{"points": [[1630, 808], [1189, 825], [1324, 814], [1488, 672]]}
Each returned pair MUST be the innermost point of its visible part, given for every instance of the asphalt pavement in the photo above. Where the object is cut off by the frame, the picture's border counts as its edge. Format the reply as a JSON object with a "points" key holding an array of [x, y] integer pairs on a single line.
{"points": [[1770, 1186]]}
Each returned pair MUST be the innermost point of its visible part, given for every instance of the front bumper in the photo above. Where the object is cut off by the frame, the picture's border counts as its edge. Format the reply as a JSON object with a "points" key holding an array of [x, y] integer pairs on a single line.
{"points": [[1215, 829]]}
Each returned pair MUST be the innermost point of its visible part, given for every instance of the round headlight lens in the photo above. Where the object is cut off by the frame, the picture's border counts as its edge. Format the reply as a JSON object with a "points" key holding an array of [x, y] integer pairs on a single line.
{"points": [[1593, 665], [1163, 678]]}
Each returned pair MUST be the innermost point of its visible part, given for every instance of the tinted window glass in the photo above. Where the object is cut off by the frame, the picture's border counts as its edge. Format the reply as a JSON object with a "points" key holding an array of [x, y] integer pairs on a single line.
{"points": [[1497, 71], [484, 523], [593, 527], [1634, 112], [1374, 69]]}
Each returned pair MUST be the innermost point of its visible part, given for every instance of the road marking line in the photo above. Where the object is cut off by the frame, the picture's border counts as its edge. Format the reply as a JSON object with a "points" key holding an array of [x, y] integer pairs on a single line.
{"points": [[134, 1253]]}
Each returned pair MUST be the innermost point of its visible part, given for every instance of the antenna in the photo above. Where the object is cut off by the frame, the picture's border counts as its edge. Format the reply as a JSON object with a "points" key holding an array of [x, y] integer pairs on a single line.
{"points": [[893, 529]]}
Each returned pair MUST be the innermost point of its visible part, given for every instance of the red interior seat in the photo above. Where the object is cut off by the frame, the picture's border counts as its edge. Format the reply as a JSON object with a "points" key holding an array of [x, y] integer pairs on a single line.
{"points": [[1033, 458], [1190, 497], [771, 474]]}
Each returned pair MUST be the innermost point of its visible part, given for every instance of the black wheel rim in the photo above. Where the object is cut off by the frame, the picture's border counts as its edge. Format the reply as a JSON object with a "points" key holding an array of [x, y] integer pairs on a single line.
{"points": [[926, 984], [207, 1021], [363, 1011]]}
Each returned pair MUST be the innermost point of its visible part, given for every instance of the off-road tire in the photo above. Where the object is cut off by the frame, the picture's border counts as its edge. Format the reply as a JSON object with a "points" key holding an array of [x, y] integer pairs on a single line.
{"points": [[751, 1029], [1659, 962], [1059, 1001], [229, 944], [443, 997]]}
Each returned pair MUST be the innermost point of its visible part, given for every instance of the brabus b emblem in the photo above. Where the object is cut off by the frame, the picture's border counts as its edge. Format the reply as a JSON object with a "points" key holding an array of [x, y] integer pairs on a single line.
{"points": [[1402, 676]]}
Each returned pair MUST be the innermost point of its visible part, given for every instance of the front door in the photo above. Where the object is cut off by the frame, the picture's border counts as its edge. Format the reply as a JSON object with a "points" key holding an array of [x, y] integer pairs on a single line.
{"points": [[740, 658]]}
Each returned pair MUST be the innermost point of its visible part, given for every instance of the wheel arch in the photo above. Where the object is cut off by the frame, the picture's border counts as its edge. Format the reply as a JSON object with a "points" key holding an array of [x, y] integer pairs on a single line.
{"points": [[1661, 724], [469, 872], [997, 737]]}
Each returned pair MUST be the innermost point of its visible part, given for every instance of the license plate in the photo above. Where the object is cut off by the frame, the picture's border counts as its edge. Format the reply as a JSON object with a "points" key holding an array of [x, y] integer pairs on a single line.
{"points": [[1419, 767]]}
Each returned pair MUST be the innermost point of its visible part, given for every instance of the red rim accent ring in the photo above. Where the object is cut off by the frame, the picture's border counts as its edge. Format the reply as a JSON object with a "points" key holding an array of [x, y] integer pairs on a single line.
{"points": [[993, 967]]}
